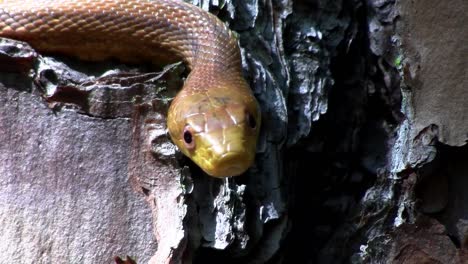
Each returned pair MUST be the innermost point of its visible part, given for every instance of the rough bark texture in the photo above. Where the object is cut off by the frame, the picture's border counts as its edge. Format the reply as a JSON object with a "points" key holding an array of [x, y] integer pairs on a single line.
{"points": [[362, 156], [66, 196]]}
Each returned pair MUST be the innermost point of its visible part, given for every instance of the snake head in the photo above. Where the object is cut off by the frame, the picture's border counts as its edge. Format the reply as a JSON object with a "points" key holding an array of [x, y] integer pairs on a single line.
{"points": [[217, 128]]}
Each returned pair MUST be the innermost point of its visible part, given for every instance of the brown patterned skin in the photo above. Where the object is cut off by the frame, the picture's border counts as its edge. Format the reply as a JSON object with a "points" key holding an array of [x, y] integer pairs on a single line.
{"points": [[214, 119]]}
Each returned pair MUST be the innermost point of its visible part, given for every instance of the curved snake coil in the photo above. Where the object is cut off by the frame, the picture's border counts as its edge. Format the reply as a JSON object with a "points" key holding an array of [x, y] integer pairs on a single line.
{"points": [[214, 119]]}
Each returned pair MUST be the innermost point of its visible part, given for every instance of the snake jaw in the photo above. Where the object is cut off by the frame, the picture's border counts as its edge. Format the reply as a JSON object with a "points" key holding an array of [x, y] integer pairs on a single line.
{"points": [[224, 152], [231, 164], [221, 159], [224, 164]]}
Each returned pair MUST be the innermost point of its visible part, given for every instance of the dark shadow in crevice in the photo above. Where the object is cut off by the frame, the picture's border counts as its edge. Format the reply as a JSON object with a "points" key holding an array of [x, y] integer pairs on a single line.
{"points": [[442, 191]]}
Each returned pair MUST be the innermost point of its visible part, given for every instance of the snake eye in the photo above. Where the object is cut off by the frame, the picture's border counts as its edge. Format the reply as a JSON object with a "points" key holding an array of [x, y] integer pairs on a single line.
{"points": [[188, 138], [251, 121]]}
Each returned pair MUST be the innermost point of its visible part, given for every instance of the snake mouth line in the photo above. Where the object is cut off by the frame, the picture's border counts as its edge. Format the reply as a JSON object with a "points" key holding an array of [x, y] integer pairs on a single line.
{"points": [[229, 164]]}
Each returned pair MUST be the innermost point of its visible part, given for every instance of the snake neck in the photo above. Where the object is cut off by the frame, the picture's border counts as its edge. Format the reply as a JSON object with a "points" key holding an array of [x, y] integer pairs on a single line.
{"points": [[214, 51], [161, 31]]}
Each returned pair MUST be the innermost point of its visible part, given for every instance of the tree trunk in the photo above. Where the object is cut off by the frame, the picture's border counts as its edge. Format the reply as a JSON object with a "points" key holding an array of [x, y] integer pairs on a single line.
{"points": [[360, 159]]}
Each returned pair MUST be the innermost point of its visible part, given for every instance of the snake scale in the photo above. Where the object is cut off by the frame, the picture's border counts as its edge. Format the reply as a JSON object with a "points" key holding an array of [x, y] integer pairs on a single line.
{"points": [[214, 119]]}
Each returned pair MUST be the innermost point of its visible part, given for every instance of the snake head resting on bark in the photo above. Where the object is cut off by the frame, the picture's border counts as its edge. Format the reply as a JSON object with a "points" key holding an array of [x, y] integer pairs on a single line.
{"points": [[214, 119]]}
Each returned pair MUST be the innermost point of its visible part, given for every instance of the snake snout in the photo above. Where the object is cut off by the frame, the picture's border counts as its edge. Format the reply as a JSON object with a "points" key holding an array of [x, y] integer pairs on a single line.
{"points": [[232, 164]]}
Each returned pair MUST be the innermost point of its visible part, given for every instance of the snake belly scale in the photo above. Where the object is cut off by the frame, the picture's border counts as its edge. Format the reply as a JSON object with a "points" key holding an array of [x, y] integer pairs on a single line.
{"points": [[214, 119]]}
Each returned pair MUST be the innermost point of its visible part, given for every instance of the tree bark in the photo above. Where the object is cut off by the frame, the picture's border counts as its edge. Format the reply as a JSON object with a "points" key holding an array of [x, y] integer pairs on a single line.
{"points": [[360, 159]]}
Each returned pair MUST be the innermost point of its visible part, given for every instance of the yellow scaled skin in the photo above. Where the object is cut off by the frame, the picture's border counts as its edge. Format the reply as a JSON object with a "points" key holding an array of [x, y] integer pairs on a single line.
{"points": [[215, 106], [224, 139]]}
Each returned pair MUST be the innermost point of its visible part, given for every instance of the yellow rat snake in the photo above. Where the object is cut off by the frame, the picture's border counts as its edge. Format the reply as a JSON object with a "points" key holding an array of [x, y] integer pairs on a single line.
{"points": [[214, 119]]}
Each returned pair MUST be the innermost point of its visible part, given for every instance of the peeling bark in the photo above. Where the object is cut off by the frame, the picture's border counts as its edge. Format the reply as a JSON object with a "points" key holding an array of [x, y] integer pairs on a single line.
{"points": [[361, 157]]}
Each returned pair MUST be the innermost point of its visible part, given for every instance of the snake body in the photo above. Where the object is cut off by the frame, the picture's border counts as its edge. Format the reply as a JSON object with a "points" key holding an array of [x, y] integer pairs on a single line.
{"points": [[214, 119]]}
